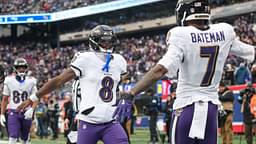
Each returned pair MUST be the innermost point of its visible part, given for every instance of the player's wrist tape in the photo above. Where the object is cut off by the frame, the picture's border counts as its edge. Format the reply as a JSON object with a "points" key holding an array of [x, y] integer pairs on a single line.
{"points": [[33, 98]]}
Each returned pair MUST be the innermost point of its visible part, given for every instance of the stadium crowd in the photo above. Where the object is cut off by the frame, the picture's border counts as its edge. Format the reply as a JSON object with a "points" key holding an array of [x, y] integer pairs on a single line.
{"points": [[226, 2], [43, 6], [131, 15], [236, 70], [124, 16], [141, 53]]}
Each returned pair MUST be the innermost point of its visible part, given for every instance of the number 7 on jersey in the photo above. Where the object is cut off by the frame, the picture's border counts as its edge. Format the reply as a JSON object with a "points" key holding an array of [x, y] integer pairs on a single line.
{"points": [[210, 52]]}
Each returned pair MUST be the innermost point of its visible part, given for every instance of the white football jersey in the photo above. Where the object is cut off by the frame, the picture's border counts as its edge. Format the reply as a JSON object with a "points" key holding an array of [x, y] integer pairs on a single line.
{"points": [[17, 91], [98, 88], [199, 55]]}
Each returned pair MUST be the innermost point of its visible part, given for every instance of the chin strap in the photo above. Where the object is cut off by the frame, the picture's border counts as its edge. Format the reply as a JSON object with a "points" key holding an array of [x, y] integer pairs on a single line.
{"points": [[106, 66]]}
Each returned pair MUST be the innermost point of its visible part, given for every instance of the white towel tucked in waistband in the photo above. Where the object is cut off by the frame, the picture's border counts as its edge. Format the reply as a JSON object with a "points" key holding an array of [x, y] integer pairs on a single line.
{"points": [[197, 129]]}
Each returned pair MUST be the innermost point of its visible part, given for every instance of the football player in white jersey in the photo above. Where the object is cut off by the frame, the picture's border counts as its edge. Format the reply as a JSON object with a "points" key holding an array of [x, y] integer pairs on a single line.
{"points": [[17, 88], [199, 50], [99, 72]]}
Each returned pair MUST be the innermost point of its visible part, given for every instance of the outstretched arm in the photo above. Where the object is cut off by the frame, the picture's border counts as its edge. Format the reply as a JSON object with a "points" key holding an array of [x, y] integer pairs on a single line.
{"points": [[156, 73], [123, 109], [51, 85], [56, 82]]}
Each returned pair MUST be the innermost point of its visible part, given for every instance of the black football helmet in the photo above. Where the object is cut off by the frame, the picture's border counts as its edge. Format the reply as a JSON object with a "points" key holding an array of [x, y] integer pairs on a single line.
{"points": [[192, 10], [20, 74], [102, 39]]}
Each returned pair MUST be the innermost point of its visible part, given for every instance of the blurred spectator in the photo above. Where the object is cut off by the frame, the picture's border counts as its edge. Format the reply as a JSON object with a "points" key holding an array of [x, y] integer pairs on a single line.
{"points": [[245, 99], [227, 99], [53, 113], [152, 109], [253, 72], [229, 74], [69, 114], [41, 115], [242, 74]]}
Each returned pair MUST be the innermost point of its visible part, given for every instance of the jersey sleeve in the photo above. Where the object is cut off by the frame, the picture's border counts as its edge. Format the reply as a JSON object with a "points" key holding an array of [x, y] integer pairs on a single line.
{"points": [[239, 48], [6, 90], [77, 65], [174, 55], [243, 50]]}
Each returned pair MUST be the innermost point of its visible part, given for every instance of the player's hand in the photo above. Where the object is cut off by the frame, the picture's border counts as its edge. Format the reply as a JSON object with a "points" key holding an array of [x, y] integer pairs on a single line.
{"points": [[24, 105], [123, 110], [66, 122], [2, 120], [29, 114]]}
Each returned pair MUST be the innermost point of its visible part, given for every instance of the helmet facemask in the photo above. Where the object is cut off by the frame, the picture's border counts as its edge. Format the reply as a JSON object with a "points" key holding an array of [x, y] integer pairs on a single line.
{"points": [[21, 69]]}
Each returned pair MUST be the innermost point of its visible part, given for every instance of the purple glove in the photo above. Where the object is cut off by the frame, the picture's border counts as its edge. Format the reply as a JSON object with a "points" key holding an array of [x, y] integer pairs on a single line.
{"points": [[123, 110]]}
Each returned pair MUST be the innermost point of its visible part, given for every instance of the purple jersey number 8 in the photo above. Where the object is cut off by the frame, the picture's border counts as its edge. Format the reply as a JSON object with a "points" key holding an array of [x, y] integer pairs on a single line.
{"points": [[105, 92]]}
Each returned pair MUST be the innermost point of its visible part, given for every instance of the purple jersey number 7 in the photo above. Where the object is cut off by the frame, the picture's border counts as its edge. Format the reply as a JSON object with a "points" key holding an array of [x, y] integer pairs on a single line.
{"points": [[210, 52]]}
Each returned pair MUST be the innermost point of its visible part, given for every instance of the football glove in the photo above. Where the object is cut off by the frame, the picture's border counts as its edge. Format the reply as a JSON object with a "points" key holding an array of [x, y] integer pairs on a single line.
{"points": [[2, 120], [123, 110], [29, 114]]}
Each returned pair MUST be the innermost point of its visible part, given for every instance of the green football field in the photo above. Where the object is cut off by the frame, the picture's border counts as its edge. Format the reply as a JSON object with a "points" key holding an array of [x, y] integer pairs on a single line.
{"points": [[141, 136]]}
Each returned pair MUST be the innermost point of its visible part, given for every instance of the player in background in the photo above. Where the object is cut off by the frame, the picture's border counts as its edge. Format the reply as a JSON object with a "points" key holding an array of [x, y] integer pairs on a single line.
{"points": [[17, 88], [198, 50], [99, 71], [72, 122]]}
